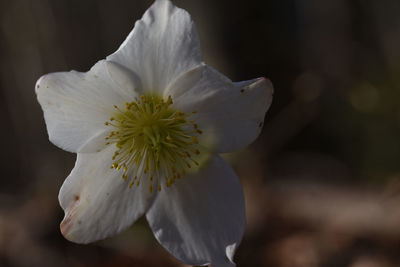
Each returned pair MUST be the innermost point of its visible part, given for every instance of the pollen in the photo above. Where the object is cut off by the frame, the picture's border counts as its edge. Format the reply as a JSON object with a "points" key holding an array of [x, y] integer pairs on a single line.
{"points": [[153, 141]]}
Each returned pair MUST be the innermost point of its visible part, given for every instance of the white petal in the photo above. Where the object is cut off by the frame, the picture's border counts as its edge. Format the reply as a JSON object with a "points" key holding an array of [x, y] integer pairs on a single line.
{"points": [[200, 219], [163, 45], [230, 114], [97, 202], [77, 104], [185, 82]]}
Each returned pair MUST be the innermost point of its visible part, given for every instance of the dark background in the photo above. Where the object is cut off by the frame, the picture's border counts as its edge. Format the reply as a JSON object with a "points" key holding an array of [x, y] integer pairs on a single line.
{"points": [[322, 182]]}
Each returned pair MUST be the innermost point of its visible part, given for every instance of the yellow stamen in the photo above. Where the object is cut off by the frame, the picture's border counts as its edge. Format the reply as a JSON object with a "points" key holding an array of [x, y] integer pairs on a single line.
{"points": [[152, 138]]}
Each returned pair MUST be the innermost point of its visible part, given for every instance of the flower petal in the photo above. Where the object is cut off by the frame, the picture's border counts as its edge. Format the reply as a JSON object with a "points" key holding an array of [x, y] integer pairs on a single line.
{"points": [[97, 202], [230, 114], [163, 45], [77, 104], [200, 219]]}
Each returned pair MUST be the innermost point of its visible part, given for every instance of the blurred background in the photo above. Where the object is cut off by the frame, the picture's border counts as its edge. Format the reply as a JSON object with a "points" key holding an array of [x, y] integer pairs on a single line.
{"points": [[322, 182]]}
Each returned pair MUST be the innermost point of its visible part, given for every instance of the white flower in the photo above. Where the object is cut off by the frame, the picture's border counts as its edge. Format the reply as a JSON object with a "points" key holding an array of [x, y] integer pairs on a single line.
{"points": [[147, 125]]}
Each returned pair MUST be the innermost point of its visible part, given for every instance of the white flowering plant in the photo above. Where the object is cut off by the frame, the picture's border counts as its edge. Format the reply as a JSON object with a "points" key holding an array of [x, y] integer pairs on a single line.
{"points": [[147, 124]]}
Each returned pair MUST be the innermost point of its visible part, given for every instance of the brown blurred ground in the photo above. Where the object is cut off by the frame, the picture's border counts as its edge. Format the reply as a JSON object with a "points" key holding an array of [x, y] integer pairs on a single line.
{"points": [[322, 182]]}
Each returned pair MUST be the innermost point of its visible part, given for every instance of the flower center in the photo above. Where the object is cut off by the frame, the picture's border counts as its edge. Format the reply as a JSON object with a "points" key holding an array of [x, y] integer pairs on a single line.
{"points": [[154, 139]]}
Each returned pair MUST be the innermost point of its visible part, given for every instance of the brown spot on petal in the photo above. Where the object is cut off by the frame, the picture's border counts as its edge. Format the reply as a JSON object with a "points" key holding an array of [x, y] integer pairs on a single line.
{"points": [[68, 221], [66, 225]]}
